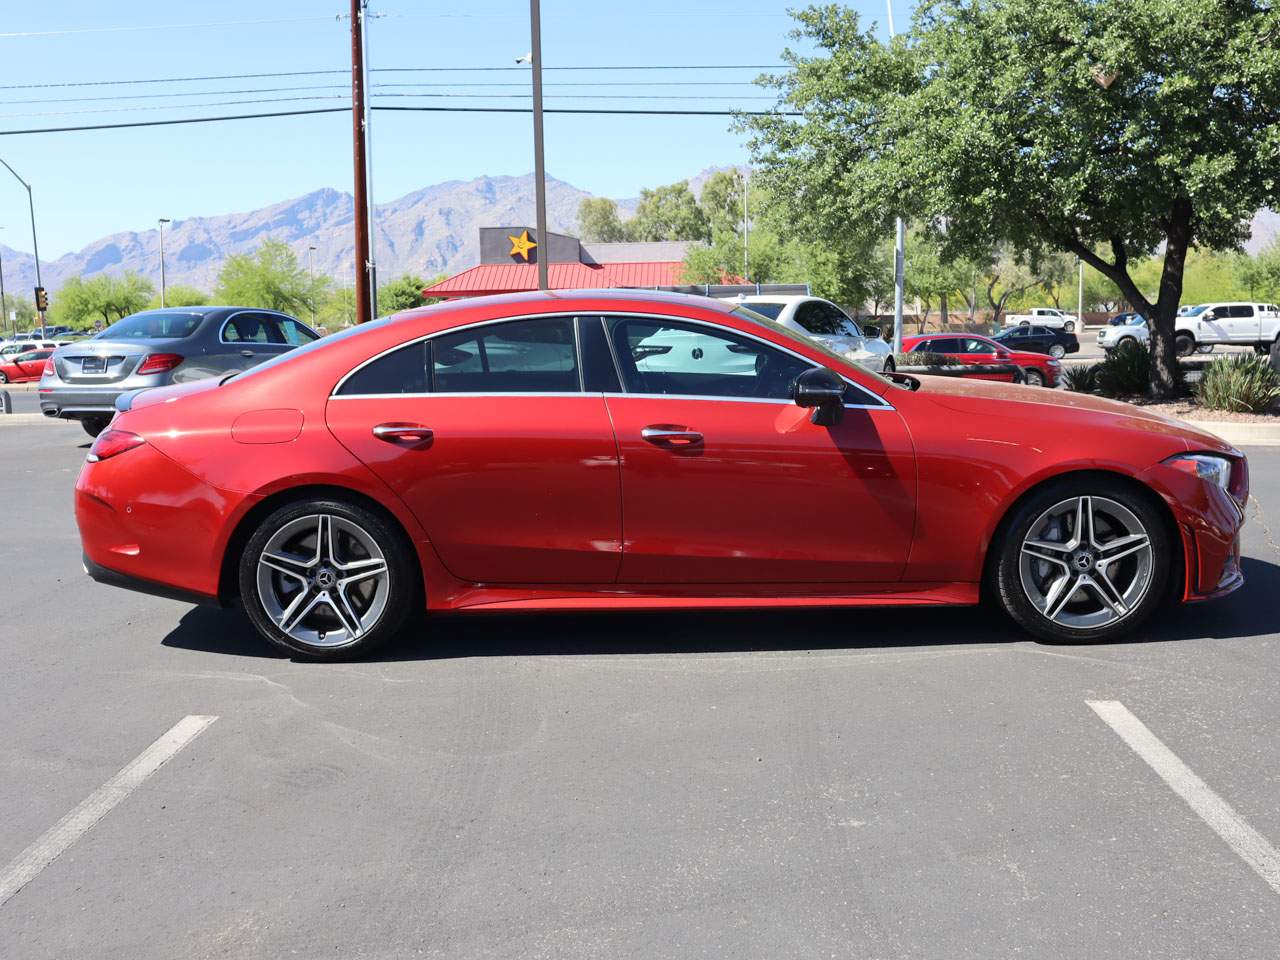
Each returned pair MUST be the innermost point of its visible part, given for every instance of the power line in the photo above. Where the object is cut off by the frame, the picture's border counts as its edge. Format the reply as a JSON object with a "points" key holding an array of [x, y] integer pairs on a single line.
{"points": [[318, 73], [319, 110], [378, 86], [158, 26]]}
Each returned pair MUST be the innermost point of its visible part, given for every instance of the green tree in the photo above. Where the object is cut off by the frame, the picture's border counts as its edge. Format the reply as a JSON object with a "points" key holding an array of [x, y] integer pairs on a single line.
{"points": [[670, 212], [180, 295], [336, 309], [598, 221], [722, 201], [402, 293], [270, 278], [1114, 130], [80, 302], [26, 318]]}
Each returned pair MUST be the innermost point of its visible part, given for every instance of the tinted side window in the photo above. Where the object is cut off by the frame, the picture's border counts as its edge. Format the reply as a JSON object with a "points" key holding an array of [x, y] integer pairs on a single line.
{"points": [[599, 375], [1245, 310], [971, 345], [294, 332], [401, 371], [672, 358], [815, 318], [253, 328], [523, 356], [938, 345]]}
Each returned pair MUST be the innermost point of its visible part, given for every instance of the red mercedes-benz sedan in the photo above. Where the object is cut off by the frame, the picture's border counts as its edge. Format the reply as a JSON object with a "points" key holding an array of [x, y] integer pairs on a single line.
{"points": [[628, 450], [1038, 369]]}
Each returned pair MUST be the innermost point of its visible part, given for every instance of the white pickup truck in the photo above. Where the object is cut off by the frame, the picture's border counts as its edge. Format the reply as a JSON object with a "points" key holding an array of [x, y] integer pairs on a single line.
{"points": [[1044, 317], [1254, 325]]}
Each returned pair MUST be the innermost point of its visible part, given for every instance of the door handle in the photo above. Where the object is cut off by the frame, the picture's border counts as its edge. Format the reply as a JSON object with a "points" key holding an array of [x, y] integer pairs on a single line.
{"points": [[404, 434], [664, 435], [247, 353]]}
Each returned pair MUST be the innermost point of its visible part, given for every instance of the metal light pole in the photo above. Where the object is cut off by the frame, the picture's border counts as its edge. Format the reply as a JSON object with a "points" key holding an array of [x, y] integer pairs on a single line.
{"points": [[899, 250], [311, 292], [1080, 297], [539, 168], [4, 306], [35, 247], [162, 221]]}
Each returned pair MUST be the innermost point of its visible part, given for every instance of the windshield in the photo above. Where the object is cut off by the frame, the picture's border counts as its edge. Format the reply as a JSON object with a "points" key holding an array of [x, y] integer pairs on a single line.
{"points": [[770, 310], [157, 325], [1193, 311], [748, 313]]}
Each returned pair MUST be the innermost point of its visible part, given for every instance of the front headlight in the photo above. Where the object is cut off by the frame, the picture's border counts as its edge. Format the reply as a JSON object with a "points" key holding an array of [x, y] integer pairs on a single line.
{"points": [[1206, 466]]}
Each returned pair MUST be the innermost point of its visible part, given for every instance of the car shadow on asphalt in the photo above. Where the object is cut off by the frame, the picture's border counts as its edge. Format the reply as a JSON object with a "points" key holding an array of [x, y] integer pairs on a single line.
{"points": [[1248, 613]]}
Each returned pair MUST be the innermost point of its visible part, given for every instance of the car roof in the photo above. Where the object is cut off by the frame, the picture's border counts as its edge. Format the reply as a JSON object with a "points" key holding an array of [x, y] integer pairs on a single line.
{"points": [[775, 298], [571, 299]]}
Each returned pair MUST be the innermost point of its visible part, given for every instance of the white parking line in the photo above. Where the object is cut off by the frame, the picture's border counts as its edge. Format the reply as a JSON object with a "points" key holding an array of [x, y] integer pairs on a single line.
{"points": [[1251, 846], [97, 805]]}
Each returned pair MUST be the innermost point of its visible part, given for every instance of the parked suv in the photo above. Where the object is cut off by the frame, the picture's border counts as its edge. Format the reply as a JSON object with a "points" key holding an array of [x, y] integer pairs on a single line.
{"points": [[823, 321], [1255, 325], [159, 347]]}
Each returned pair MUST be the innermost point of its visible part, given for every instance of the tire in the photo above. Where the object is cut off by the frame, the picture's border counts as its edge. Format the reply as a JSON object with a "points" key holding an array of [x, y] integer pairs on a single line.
{"points": [[95, 425], [889, 365], [1057, 351], [1024, 323], [1184, 344], [3, 377], [1033, 378], [1120, 344], [1069, 327], [1041, 588], [302, 602]]}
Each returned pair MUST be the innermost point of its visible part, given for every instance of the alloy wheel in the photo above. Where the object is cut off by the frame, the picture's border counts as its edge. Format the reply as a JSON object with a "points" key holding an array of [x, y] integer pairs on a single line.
{"points": [[1057, 351], [1086, 562], [323, 580]]}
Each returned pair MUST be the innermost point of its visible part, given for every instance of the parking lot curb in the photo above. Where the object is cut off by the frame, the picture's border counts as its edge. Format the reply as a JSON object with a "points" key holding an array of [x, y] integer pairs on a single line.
{"points": [[1240, 434], [18, 419]]}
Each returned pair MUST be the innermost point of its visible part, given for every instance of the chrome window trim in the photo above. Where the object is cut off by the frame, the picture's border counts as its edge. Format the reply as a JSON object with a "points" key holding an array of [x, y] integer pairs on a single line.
{"points": [[271, 313], [878, 403]]}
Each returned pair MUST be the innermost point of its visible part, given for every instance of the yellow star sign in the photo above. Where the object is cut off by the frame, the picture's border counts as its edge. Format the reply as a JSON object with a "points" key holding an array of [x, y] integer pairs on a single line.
{"points": [[521, 245]]}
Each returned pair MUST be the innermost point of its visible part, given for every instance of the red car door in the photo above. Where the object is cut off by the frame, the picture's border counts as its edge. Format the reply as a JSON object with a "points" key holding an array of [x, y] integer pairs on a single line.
{"points": [[725, 480], [486, 435]]}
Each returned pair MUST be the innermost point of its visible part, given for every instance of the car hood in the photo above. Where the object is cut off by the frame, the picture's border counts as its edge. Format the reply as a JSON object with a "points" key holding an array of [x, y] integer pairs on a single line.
{"points": [[1054, 407]]}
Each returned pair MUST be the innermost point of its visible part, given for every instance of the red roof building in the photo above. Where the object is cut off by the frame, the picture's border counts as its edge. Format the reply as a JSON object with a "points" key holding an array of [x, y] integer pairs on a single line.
{"points": [[509, 264]]}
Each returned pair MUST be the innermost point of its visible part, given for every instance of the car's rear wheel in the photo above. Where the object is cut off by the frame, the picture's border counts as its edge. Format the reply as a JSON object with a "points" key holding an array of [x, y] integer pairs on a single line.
{"points": [[1083, 561], [327, 579], [1033, 378], [95, 425], [1123, 341], [1057, 351], [1184, 344], [4, 378], [1069, 326]]}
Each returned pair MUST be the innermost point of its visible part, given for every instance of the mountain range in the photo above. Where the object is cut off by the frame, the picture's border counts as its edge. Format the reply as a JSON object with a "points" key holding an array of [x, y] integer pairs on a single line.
{"points": [[429, 231]]}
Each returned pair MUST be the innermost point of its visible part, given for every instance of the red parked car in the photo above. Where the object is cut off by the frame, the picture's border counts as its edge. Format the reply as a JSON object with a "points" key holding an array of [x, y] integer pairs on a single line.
{"points": [[1038, 369], [21, 367], [634, 450]]}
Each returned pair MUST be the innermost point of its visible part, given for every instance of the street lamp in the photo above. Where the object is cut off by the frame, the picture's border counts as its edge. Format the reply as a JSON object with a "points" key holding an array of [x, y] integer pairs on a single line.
{"points": [[35, 247], [899, 249], [4, 307], [162, 221]]}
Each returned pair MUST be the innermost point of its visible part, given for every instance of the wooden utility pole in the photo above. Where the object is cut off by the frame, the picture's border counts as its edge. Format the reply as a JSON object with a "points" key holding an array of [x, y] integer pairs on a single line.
{"points": [[363, 274], [539, 167]]}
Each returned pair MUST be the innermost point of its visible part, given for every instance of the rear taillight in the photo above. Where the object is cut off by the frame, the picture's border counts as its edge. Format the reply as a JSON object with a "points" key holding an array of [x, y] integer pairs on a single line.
{"points": [[112, 442], [159, 362]]}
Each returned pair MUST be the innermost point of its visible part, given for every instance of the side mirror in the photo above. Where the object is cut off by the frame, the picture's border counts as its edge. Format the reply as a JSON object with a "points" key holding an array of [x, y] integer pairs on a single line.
{"points": [[871, 331], [822, 390]]}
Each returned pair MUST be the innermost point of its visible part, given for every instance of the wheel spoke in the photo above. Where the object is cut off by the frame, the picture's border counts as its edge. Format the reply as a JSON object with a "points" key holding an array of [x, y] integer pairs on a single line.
{"points": [[342, 607], [1084, 522], [1106, 591], [299, 608], [375, 568], [324, 538], [290, 566], [1056, 599], [1113, 550], [1047, 550]]}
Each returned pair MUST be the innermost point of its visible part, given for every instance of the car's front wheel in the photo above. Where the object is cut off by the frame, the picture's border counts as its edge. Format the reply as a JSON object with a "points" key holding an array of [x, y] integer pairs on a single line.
{"points": [[1082, 561], [4, 378], [1033, 378], [1057, 351], [1184, 344], [327, 579]]}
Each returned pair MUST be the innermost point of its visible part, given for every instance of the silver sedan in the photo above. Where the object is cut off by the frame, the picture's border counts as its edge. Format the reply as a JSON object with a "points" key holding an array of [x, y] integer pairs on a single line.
{"points": [[159, 347]]}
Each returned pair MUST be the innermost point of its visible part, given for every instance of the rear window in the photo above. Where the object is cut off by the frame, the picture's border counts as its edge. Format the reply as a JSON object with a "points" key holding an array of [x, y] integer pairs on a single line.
{"points": [[160, 325], [770, 310]]}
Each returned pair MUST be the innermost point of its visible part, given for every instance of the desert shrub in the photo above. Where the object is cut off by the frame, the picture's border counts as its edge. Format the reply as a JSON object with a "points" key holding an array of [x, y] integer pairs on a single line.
{"points": [[1126, 372], [1082, 378], [1245, 383]]}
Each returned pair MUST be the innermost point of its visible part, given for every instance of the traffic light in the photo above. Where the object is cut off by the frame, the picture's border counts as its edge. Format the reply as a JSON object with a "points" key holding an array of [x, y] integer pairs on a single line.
{"points": [[42, 299]]}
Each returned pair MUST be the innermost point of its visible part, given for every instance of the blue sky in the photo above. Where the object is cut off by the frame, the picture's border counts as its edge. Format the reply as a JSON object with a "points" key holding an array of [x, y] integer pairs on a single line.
{"points": [[91, 183]]}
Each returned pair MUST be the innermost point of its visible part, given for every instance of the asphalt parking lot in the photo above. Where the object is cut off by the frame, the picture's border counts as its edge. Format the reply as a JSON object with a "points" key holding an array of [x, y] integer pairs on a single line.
{"points": [[848, 784]]}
